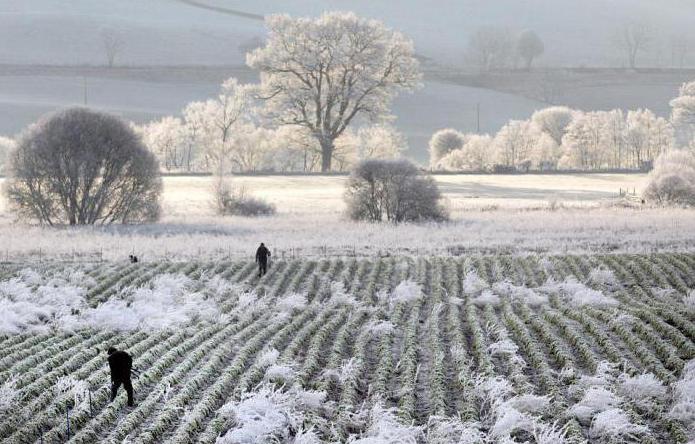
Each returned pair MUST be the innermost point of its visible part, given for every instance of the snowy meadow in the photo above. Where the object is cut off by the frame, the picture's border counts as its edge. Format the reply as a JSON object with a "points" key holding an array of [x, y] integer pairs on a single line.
{"points": [[515, 214]]}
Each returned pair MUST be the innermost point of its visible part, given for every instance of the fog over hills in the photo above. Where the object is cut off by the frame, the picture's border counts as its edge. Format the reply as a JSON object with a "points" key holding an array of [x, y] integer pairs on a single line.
{"points": [[199, 33]]}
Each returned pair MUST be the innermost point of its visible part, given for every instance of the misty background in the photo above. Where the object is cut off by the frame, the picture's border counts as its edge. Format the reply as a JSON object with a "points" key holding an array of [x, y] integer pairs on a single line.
{"points": [[145, 60]]}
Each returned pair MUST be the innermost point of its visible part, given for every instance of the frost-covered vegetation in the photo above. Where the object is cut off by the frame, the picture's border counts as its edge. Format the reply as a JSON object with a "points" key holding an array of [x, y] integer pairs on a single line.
{"points": [[475, 349]]}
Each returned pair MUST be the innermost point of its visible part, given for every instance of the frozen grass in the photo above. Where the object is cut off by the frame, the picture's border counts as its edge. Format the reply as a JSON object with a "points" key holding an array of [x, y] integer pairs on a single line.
{"points": [[310, 222]]}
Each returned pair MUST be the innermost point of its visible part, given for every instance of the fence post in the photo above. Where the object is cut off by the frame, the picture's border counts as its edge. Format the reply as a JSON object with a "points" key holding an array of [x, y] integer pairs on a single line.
{"points": [[91, 412]]}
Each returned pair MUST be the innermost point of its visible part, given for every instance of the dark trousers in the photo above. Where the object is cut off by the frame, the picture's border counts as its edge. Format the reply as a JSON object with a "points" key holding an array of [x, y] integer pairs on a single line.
{"points": [[262, 267], [127, 385]]}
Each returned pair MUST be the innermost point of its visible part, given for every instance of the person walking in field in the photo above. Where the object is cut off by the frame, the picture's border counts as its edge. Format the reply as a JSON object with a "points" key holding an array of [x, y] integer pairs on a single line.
{"points": [[262, 255], [121, 365]]}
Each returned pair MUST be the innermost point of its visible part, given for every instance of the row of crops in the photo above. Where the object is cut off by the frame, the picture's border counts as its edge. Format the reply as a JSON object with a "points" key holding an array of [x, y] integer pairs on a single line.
{"points": [[398, 349]]}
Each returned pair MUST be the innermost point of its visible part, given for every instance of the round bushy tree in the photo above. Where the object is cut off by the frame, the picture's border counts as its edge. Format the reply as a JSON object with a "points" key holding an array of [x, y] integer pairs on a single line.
{"points": [[81, 167], [672, 181], [392, 190]]}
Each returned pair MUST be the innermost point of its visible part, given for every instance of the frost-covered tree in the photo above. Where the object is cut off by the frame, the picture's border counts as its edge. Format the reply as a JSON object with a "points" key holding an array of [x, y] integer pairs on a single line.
{"points": [[683, 115], [170, 140], [325, 73], [6, 145], [646, 136], [514, 143], [82, 167], [380, 142], [210, 123], [394, 191], [490, 47], [672, 181], [553, 121], [582, 143], [443, 142], [634, 38], [475, 155], [529, 46]]}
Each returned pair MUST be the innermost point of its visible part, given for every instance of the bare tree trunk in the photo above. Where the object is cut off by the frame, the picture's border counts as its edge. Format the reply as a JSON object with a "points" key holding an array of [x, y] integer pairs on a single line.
{"points": [[327, 149]]}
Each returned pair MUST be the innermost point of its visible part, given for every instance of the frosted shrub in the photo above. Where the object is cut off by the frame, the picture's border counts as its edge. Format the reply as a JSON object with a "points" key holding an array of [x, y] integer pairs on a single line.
{"points": [[614, 423], [393, 191], [230, 201], [672, 181], [340, 297]]}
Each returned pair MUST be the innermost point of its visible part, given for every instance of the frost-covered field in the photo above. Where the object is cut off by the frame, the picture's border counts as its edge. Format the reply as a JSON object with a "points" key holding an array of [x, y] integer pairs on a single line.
{"points": [[481, 349], [489, 214]]}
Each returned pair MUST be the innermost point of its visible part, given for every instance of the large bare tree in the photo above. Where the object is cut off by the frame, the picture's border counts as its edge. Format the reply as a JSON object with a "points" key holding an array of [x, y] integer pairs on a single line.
{"points": [[325, 73], [82, 167]]}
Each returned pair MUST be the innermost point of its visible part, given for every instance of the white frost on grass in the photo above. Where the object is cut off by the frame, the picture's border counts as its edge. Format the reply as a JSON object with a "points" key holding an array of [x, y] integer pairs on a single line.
{"points": [[683, 408], [166, 304], [689, 300], [504, 347], [384, 427], [576, 293], [641, 388], [613, 424], [597, 399], [9, 394], [39, 310], [38, 306], [270, 415], [77, 389], [520, 293], [486, 297], [340, 297], [602, 276], [406, 291], [473, 283], [380, 328], [291, 303]]}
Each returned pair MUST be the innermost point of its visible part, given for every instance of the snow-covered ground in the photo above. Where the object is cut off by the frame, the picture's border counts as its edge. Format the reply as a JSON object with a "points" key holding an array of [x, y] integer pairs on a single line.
{"points": [[577, 213]]}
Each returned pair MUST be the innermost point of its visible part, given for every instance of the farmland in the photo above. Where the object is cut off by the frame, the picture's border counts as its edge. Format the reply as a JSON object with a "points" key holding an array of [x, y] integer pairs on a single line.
{"points": [[579, 213], [437, 349]]}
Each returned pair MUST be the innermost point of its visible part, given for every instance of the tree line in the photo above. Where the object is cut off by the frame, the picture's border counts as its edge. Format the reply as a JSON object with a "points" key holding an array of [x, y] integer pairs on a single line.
{"points": [[558, 137]]}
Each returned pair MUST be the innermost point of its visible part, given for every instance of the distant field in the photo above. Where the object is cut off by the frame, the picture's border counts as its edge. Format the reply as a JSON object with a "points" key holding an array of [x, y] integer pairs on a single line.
{"points": [[516, 214]]}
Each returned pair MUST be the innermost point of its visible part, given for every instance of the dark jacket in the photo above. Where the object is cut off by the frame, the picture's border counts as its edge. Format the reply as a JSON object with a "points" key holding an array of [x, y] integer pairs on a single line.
{"points": [[262, 254], [120, 363]]}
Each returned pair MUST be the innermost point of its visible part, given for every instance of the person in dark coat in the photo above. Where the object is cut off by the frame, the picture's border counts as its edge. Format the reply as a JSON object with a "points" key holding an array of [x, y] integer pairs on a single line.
{"points": [[120, 364], [262, 255]]}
